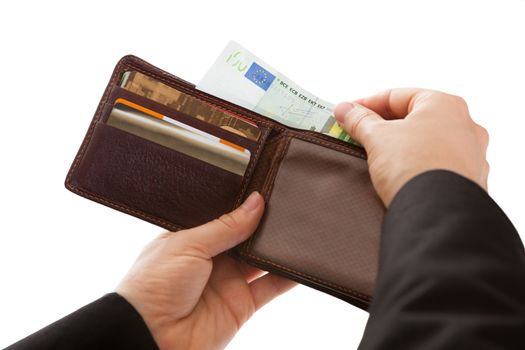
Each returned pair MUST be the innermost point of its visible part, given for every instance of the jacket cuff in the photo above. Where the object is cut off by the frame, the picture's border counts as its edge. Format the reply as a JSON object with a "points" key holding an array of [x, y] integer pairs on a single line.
{"points": [[107, 323]]}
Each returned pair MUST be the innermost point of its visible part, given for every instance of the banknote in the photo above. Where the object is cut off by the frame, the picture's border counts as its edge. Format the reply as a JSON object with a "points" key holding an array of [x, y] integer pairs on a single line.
{"points": [[157, 91], [242, 78]]}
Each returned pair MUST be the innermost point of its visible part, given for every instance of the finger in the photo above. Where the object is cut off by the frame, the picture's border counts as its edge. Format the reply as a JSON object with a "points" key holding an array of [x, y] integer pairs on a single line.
{"points": [[358, 121], [483, 135], [227, 231], [249, 272], [227, 268], [394, 103], [269, 286]]}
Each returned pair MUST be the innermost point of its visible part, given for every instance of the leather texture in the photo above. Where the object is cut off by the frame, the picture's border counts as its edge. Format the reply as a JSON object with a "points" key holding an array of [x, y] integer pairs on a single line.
{"points": [[323, 220], [138, 173]]}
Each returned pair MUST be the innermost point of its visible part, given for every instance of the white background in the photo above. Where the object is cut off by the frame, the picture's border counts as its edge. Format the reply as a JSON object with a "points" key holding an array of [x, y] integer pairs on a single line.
{"points": [[59, 251]]}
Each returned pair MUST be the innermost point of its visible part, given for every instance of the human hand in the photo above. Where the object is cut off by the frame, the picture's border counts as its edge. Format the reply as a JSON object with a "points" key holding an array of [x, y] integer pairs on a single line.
{"points": [[409, 131], [189, 294]]}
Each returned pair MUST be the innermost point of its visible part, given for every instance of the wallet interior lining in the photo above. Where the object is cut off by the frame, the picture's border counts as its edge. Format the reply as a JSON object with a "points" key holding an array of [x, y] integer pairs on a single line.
{"points": [[290, 185]]}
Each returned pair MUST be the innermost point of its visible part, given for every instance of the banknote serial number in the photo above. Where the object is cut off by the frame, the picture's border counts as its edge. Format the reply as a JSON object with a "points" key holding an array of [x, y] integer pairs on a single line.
{"points": [[307, 99]]}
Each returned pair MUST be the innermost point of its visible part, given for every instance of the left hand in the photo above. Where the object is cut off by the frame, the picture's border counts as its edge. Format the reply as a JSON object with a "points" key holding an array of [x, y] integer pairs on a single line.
{"points": [[189, 294]]}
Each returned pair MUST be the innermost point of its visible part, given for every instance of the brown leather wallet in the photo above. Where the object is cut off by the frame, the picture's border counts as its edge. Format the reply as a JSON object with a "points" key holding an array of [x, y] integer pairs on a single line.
{"points": [[323, 218]]}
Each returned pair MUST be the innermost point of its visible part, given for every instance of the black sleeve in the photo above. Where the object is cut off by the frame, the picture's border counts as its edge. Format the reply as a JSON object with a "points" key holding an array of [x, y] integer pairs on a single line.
{"points": [[108, 323], [451, 271]]}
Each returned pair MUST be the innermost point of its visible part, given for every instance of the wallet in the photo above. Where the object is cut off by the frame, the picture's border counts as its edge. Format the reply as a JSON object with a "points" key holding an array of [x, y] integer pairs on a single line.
{"points": [[323, 218]]}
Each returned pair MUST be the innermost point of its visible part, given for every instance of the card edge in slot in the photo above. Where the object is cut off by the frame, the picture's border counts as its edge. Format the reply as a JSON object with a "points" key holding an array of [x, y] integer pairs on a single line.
{"points": [[118, 92]]}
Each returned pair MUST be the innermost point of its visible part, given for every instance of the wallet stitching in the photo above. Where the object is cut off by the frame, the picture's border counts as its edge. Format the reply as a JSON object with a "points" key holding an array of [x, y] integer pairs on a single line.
{"points": [[199, 95], [333, 285], [270, 180], [275, 139], [329, 145], [249, 172]]}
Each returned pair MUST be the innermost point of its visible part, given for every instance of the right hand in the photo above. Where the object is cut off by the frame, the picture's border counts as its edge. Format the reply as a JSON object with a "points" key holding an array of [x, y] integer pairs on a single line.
{"points": [[409, 131]]}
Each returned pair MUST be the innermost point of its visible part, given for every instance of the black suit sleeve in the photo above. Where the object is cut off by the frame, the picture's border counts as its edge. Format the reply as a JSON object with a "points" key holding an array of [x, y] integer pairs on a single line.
{"points": [[451, 271], [108, 323]]}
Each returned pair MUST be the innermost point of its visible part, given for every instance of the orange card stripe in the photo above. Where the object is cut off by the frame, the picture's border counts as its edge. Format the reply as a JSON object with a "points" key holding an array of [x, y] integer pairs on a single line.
{"points": [[227, 143], [160, 116], [139, 107]]}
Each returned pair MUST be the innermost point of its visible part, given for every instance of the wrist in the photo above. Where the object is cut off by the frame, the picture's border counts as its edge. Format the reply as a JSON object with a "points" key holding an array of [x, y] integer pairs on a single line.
{"points": [[158, 326]]}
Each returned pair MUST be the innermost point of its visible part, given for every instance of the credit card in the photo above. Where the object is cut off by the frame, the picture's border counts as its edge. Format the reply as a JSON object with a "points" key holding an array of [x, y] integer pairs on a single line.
{"points": [[157, 91], [171, 133]]}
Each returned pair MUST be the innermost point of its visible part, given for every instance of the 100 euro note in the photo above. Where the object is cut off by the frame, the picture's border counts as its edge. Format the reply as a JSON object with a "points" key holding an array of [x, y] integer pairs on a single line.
{"points": [[240, 77]]}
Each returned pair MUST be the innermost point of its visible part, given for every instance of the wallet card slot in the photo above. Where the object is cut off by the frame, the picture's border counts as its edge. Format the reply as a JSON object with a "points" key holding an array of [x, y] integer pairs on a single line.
{"points": [[120, 93], [158, 184], [322, 220]]}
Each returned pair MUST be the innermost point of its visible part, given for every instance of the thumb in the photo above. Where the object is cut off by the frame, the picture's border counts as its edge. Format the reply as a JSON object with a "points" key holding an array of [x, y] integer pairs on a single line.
{"points": [[227, 231], [358, 121]]}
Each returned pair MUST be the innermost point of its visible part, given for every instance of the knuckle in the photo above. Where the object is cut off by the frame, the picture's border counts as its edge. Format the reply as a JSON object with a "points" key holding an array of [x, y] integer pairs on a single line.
{"points": [[483, 133], [432, 94], [436, 94], [359, 112], [165, 235], [357, 128], [423, 97], [229, 221], [459, 102], [455, 105], [196, 249], [387, 103], [357, 124]]}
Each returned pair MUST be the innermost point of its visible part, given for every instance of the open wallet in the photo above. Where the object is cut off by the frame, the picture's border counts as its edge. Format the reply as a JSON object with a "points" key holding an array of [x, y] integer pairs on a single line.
{"points": [[323, 218]]}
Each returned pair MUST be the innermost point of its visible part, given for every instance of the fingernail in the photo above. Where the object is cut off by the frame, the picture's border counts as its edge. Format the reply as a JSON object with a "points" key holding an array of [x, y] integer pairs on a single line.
{"points": [[252, 202], [341, 110]]}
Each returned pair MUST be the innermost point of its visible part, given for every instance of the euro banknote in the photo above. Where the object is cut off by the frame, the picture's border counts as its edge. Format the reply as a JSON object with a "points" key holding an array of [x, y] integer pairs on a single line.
{"points": [[240, 77]]}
